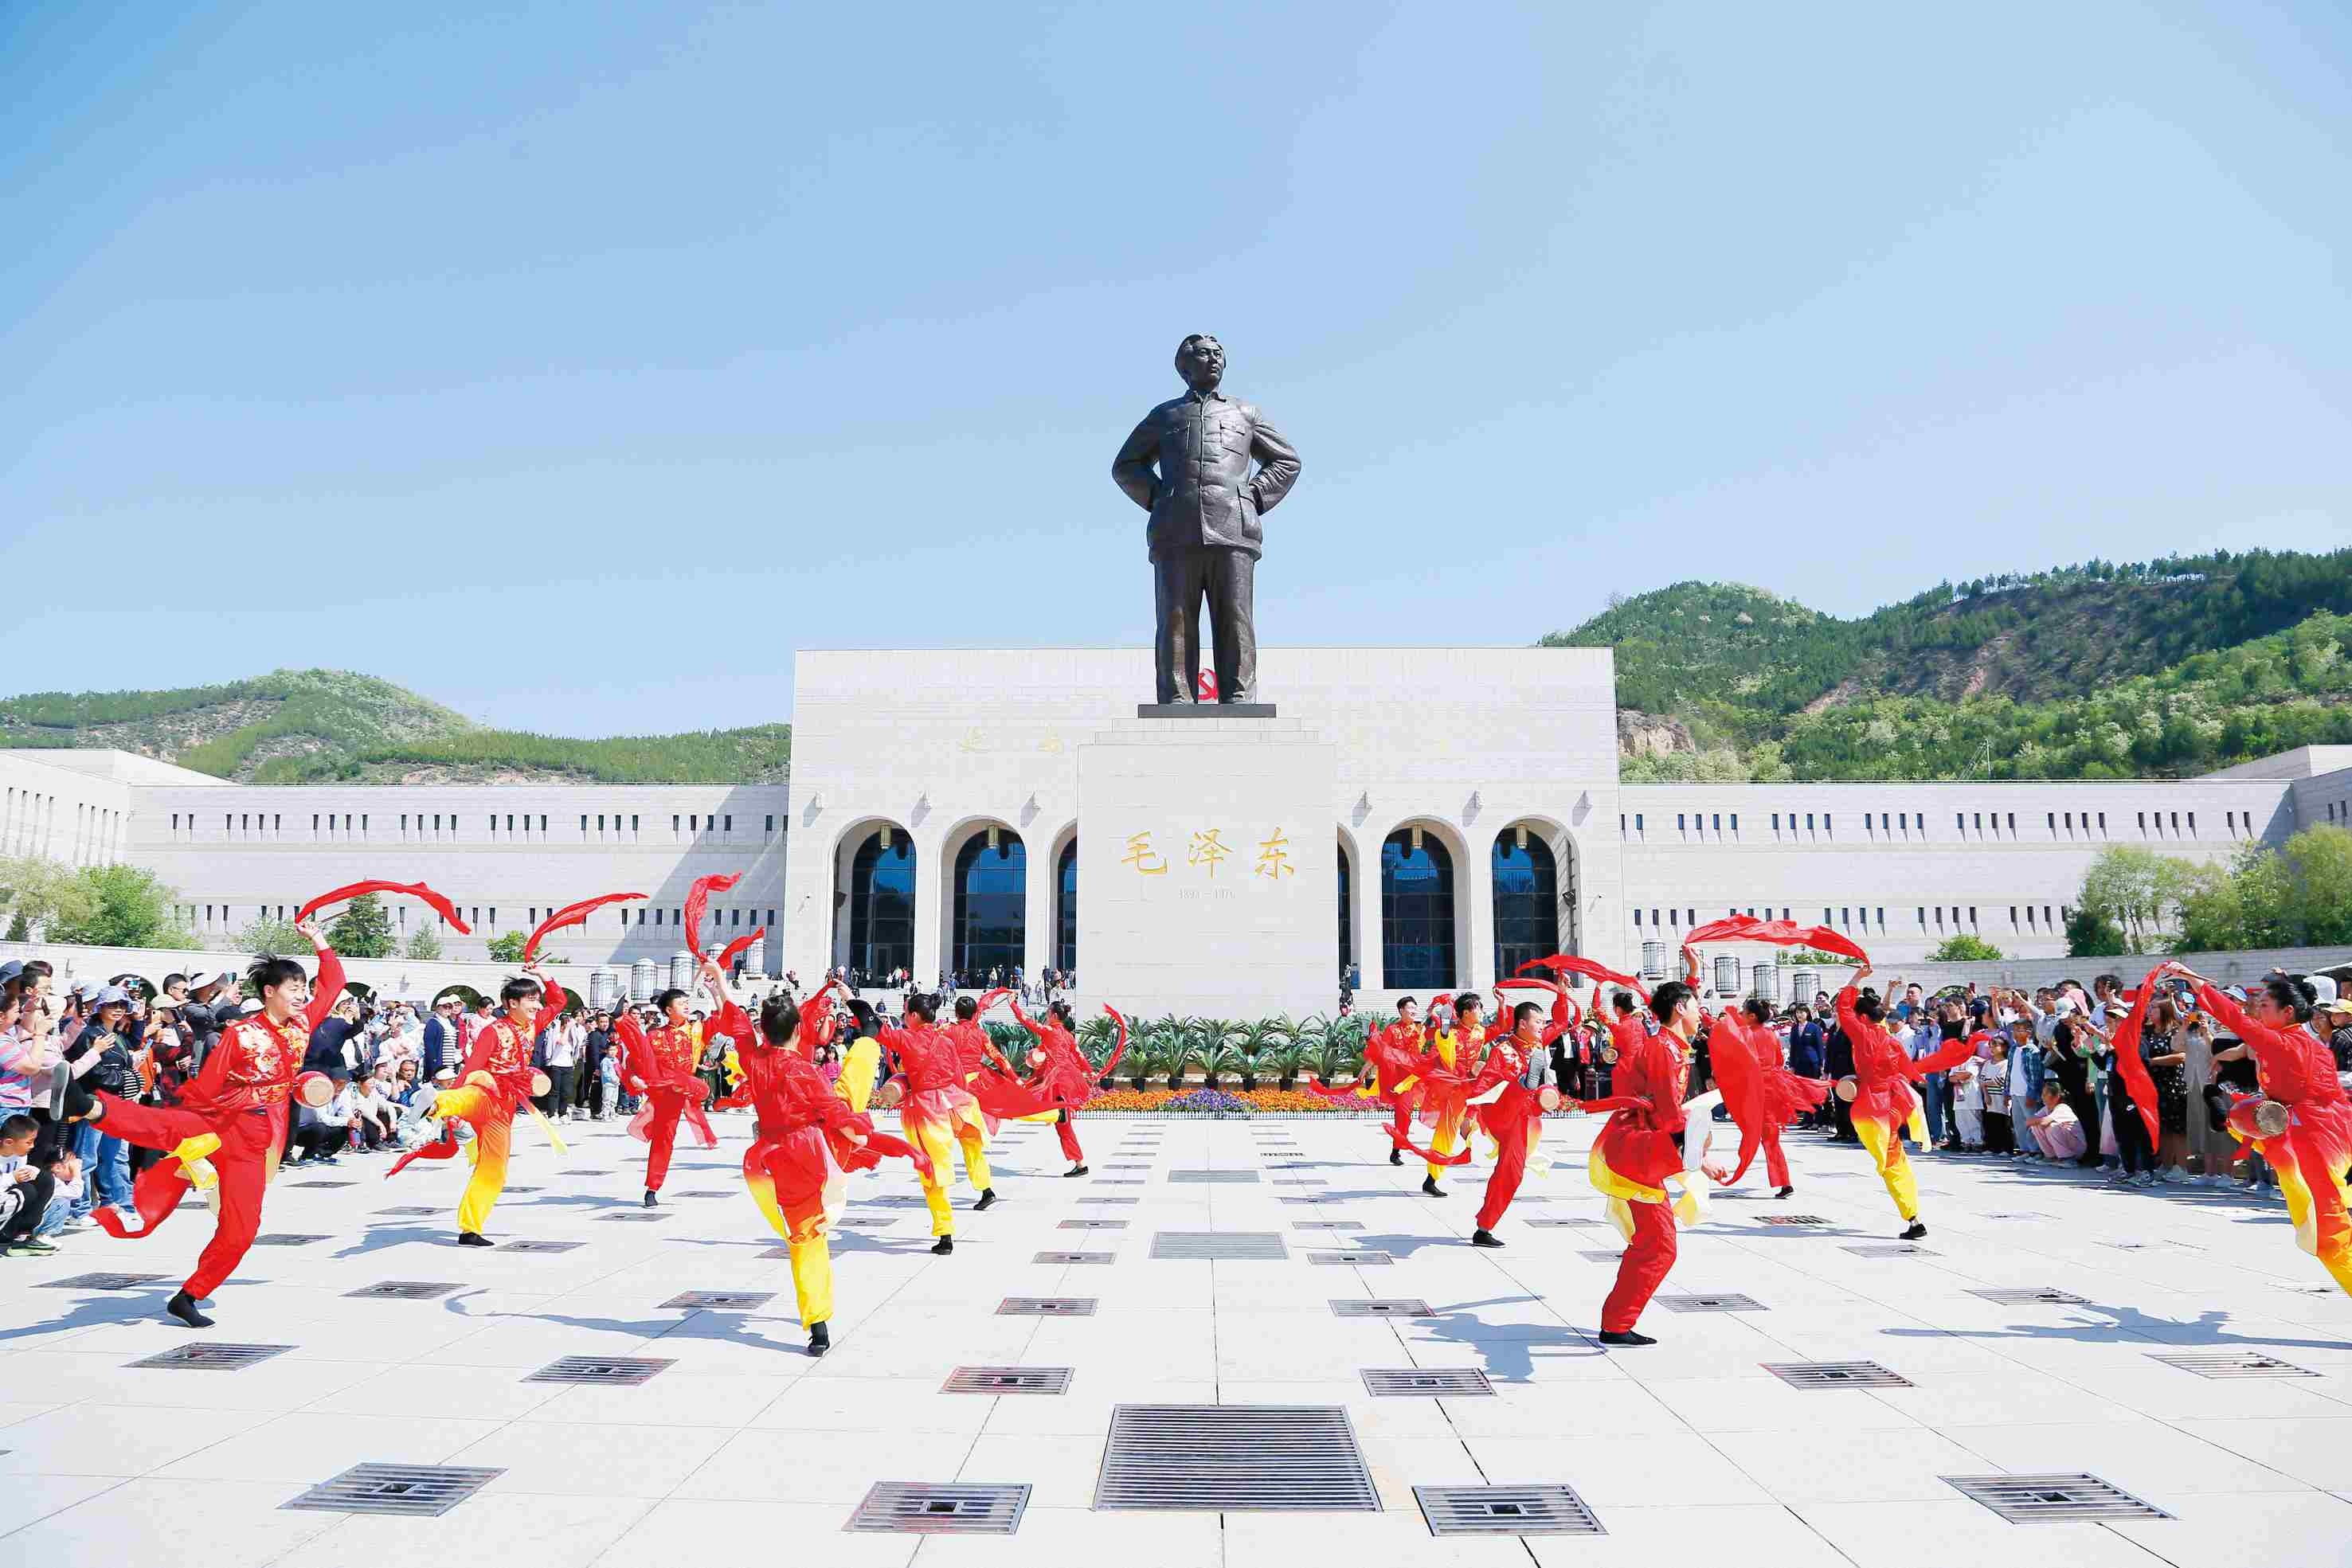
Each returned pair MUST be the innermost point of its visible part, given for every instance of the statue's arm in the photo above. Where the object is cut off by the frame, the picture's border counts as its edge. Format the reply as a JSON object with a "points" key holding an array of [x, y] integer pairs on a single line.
{"points": [[1131, 470], [1278, 466]]}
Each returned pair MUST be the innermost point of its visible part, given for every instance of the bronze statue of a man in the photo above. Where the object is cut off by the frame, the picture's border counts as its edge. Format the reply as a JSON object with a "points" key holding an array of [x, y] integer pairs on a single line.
{"points": [[1206, 504]]}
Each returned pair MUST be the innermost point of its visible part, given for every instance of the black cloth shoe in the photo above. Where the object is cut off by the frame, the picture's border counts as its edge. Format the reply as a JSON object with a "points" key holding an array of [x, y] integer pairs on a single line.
{"points": [[1483, 1238], [68, 1101], [474, 1239], [1429, 1185], [987, 1197], [1396, 1156], [652, 1198], [1613, 1336], [1074, 1171], [1784, 1192], [183, 1306], [820, 1339], [943, 1245], [1919, 1228]]}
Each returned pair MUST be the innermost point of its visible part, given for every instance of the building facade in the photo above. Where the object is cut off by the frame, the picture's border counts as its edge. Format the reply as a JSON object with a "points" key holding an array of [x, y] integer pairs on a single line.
{"points": [[1477, 820]]}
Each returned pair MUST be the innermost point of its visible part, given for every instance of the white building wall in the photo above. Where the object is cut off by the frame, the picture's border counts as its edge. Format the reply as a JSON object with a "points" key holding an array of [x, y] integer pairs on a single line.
{"points": [[70, 815]]}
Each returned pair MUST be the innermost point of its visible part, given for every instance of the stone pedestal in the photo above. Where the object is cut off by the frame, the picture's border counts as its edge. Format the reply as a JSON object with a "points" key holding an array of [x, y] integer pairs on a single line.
{"points": [[1207, 870]]}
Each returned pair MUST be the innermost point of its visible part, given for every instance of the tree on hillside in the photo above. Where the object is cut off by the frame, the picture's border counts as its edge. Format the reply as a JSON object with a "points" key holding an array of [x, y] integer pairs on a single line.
{"points": [[264, 935], [38, 892], [128, 908], [2137, 891], [2090, 935], [363, 930], [1965, 949], [423, 945]]}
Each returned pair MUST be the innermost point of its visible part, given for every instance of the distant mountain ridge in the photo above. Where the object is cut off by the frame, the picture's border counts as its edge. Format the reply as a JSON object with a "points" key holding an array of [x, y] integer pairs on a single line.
{"points": [[2102, 670], [293, 727]]}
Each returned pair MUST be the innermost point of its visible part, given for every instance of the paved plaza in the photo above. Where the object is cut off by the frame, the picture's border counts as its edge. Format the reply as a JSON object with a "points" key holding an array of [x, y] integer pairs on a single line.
{"points": [[2190, 1358]]}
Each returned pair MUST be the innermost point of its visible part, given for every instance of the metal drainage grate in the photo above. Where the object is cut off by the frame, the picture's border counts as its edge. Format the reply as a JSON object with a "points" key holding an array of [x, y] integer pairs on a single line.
{"points": [[214, 1357], [1300, 1181], [1230, 1177], [1076, 1258], [1792, 1220], [941, 1507], [1400, 1307], [1120, 1181], [511, 1191], [410, 1492], [543, 1246], [1617, 1257], [100, 1282], [1543, 1224], [324, 1185], [289, 1239], [1836, 1375], [1359, 1257], [1295, 1199], [2029, 1295], [1224, 1245], [1093, 1225], [410, 1209], [894, 1200], [1008, 1380], [1046, 1307], [1698, 1303], [1233, 1458], [2233, 1364], [605, 1370], [1127, 1165], [1506, 1510], [403, 1291], [2021, 1214], [641, 1216], [868, 1222], [2155, 1247], [583, 1172], [1327, 1224], [1425, 1382], [706, 1192], [718, 1300], [2049, 1499], [1892, 1249], [1125, 1200]]}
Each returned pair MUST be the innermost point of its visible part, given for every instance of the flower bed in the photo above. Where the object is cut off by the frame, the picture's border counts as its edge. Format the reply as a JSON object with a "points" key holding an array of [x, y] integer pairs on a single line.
{"points": [[1215, 1102]]}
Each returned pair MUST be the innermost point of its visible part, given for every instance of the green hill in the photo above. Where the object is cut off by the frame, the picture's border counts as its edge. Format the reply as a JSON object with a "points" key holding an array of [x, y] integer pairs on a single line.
{"points": [[2155, 669], [294, 727]]}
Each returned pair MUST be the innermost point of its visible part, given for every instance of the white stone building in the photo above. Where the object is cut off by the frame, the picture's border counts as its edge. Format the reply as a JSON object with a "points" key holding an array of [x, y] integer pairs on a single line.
{"points": [[1473, 816]]}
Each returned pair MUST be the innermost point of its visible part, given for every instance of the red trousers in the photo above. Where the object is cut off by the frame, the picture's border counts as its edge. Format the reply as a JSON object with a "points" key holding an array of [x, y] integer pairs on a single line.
{"points": [[1068, 1132], [1643, 1269], [245, 1161], [665, 1103], [1775, 1163], [1404, 1119], [1513, 1138]]}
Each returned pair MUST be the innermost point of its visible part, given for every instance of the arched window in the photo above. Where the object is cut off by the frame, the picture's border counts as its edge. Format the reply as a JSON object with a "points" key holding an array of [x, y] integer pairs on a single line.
{"points": [[882, 905], [1346, 934], [1526, 902], [1416, 913], [1065, 909], [991, 888]]}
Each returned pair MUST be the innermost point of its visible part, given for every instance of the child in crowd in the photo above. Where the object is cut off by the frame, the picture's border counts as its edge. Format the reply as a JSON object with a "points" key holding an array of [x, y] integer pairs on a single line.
{"points": [[2057, 1129], [26, 1189]]}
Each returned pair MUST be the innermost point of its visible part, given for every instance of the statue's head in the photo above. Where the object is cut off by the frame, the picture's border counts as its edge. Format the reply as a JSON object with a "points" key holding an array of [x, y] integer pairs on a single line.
{"points": [[1200, 360]]}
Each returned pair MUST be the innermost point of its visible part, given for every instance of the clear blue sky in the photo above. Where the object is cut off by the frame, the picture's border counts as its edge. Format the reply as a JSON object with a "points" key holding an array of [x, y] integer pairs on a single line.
{"points": [[575, 363]]}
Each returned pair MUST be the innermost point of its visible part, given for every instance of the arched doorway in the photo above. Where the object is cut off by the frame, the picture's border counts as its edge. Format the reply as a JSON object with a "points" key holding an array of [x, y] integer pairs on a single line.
{"points": [[1347, 916], [882, 903], [1416, 913], [1065, 909], [991, 906], [1526, 899]]}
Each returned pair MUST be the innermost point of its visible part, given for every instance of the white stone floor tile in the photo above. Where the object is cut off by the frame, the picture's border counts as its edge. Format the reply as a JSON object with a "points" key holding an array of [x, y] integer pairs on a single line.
{"points": [[1965, 1534], [727, 1531], [232, 1524], [592, 1461]]}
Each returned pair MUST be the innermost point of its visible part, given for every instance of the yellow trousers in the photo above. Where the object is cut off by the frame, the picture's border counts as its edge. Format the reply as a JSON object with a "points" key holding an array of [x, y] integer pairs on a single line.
{"points": [[1893, 1168], [804, 1231], [972, 1138], [493, 1126], [1447, 1139]]}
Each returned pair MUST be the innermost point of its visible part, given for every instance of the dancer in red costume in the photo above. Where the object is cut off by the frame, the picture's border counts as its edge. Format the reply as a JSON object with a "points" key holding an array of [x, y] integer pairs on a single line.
{"points": [[494, 1083], [803, 1138], [660, 1067], [2301, 1120], [1390, 1054], [1066, 1078], [1883, 1105], [1511, 1113], [1640, 1152], [1451, 1059], [230, 1125], [1762, 1096], [938, 1113]]}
